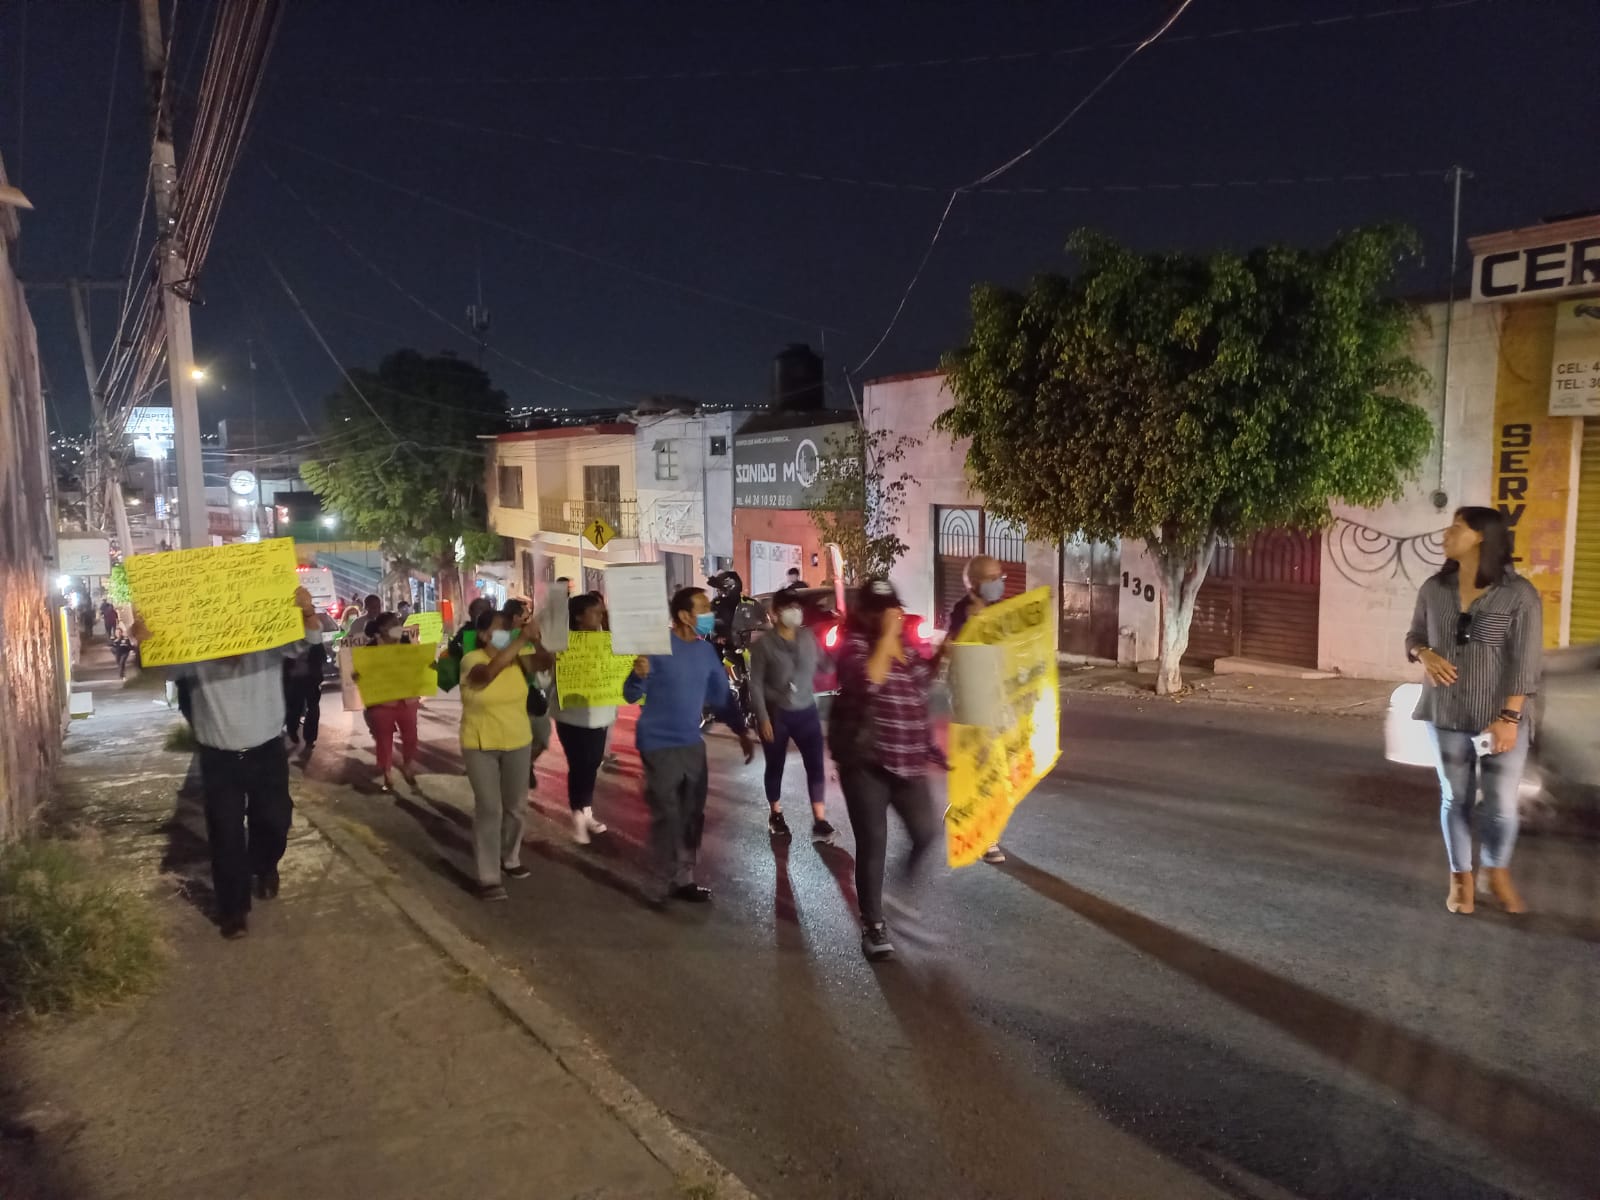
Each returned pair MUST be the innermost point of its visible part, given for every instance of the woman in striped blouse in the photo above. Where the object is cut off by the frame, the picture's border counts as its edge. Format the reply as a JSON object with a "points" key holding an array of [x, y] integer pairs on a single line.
{"points": [[1478, 633]]}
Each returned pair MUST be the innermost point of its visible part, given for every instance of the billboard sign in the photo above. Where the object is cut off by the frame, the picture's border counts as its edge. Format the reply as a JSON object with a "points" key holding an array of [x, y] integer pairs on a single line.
{"points": [[782, 468]]}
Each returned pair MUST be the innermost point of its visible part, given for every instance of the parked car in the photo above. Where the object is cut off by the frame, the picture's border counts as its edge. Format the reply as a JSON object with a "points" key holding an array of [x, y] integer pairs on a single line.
{"points": [[827, 624]]}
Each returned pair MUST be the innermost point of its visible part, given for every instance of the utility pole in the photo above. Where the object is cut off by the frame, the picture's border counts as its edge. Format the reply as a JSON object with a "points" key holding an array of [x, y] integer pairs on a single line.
{"points": [[193, 527], [1441, 498], [109, 476]]}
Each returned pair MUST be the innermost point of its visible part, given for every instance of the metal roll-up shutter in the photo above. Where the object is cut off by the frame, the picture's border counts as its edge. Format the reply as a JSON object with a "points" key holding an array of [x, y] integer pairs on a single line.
{"points": [[1261, 600], [1586, 558]]}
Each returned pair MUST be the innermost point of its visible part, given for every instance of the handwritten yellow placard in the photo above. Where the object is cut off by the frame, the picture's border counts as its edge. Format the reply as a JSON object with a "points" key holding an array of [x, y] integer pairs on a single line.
{"points": [[429, 627], [588, 674], [991, 770], [216, 601], [398, 672]]}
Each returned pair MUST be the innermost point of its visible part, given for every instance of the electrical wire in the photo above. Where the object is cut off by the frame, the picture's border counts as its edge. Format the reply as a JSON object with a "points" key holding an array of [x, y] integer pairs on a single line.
{"points": [[105, 137], [945, 62], [549, 243], [990, 176]]}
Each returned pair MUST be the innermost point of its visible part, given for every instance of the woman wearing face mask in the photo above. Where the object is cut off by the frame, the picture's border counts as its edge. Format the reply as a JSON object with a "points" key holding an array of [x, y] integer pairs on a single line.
{"points": [[1478, 633], [882, 738], [783, 666], [497, 742], [384, 719], [582, 730]]}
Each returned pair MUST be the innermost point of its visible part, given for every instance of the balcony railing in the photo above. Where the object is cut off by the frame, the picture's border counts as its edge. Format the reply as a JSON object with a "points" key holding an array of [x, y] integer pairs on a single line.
{"points": [[574, 516]]}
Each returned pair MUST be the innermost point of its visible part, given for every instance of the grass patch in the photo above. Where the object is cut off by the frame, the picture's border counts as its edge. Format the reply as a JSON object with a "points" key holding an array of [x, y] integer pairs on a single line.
{"points": [[69, 938], [180, 738]]}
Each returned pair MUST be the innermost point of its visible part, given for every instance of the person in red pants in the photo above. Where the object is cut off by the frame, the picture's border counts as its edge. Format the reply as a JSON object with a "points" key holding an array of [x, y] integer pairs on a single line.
{"points": [[395, 715]]}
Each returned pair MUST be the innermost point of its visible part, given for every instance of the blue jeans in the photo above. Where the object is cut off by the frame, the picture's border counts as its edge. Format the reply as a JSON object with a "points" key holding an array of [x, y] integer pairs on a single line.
{"points": [[1463, 778], [804, 727]]}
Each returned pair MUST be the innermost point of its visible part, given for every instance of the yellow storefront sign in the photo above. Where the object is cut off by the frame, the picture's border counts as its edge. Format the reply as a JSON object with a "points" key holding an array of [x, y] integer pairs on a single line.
{"points": [[398, 672], [992, 769], [1533, 455], [588, 675], [216, 601]]}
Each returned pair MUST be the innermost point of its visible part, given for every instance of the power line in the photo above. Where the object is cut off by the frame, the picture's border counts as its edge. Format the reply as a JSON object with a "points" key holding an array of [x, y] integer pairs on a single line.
{"points": [[997, 172], [371, 265], [105, 138], [944, 62], [549, 243]]}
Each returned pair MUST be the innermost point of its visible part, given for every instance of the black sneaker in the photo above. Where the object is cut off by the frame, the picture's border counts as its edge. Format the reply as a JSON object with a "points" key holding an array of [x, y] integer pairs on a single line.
{"points": [[692, 893], [823, 834], [777, 826], [517, 872], [875, 943], [267, 885], [492, 893]]}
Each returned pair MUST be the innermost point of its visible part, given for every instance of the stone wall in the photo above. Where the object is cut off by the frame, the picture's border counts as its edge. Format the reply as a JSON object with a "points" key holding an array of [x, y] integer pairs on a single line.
{"points": [[31, 702]]}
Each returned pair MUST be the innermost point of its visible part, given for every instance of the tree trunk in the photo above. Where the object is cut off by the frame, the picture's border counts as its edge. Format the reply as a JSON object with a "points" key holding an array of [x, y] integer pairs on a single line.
{"points": [[447, 576], [1182, 572]]}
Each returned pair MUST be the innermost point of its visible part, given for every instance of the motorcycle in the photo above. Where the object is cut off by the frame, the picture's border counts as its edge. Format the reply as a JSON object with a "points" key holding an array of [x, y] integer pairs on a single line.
{"points": [[739, 617]]}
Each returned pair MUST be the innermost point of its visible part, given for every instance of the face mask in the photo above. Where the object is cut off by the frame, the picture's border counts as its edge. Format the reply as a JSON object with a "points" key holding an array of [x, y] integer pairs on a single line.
{"points": [[705, 624], [500, 639], [392, 634], [992, 590], [791, 617]]}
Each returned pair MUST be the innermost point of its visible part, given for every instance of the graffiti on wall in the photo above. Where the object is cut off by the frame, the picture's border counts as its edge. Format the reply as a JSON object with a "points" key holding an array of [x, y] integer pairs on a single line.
{"points": [[1369, 557]]}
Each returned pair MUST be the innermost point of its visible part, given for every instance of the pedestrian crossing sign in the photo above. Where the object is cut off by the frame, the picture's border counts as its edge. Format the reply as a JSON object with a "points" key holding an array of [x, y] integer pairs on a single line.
{"points": [[598, 532]]}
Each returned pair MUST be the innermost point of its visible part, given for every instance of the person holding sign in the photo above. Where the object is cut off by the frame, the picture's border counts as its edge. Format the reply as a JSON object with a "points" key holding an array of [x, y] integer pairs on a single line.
{"points": [[386, 718], [582, 728], [680, 685], [986, 585], [783, 671], [881, 737], [497, 744], [237, 710]]}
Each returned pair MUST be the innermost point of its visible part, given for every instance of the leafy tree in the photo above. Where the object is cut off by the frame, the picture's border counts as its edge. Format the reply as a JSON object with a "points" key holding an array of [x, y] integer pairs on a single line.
{"points": [[402, 463], [117, 586], [1186, 400], [859, 496]]}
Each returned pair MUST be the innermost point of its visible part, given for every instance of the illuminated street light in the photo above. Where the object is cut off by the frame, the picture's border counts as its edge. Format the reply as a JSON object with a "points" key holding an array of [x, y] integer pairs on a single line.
{"points": [[331, 521], [198, 374]]}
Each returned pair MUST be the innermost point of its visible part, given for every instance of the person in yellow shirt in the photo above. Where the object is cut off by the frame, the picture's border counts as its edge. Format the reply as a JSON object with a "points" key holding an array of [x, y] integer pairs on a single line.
{"points": [[497, 742]]}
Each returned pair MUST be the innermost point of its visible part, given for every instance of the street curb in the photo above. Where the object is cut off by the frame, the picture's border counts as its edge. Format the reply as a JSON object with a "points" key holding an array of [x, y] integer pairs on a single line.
{"points": [[681, 1154]]}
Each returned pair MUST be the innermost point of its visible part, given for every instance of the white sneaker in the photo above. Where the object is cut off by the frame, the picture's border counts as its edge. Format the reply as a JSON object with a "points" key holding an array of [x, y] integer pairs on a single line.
{"points": [[580, 827], [994, 855], [595, 825]]}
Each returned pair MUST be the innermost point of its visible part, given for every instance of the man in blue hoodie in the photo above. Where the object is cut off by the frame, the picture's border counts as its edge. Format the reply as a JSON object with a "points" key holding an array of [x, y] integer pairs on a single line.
{"points": [[679, 686]]}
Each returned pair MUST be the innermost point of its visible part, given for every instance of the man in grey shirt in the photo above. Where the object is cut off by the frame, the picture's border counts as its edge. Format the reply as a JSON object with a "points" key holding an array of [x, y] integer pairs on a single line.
{"points": [[783, 670], [237, 710]]}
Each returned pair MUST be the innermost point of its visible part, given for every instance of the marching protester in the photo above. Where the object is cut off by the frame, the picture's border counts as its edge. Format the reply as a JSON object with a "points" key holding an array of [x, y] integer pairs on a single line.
{"points": [[676, 687], [986, 585], [393, 715], [497, 744], [881, 737], [236, 709], [792, 578], [403, 611], [108, 616], [582, 731], [1478, 633], [302, 690], [541, 681], [783, 669], [121, 649], [371, 609]]}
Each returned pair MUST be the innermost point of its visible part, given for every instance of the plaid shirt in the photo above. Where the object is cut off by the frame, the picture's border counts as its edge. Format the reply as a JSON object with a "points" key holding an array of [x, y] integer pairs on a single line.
{"points": [[897, 708]]}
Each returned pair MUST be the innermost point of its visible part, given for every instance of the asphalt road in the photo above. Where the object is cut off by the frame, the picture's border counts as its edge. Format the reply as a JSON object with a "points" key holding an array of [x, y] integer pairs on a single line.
{"points": [[1217, 963]]}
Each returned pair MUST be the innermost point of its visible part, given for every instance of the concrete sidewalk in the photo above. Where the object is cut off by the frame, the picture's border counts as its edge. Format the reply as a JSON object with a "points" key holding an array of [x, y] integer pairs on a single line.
{"points": [[334, 1052], [1329, 697]]}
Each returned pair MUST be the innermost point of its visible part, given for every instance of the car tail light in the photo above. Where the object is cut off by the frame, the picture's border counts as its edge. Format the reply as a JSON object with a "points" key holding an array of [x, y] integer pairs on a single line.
{"points": [[831, 638]]}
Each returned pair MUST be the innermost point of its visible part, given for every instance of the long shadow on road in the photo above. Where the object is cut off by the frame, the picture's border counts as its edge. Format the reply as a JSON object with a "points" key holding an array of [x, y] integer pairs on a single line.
{"points": [[1538, 1131]]}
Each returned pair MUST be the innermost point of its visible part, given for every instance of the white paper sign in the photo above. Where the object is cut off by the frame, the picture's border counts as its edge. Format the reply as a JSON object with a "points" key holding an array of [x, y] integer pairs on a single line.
{"points": [[636, 598], [83, 556], [555, 618]]}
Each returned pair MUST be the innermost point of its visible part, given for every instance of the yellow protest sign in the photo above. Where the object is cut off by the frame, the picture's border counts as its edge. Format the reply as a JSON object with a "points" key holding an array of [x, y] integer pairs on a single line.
{"points": [[397, 672], [588, 675], [599, 531], [992, 769], [216, 601], [429, 627]]}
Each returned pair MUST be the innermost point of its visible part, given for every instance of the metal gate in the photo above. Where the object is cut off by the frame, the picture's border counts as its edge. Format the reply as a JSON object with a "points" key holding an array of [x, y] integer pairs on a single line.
{"points": [[1586, 556], [1261, 600], [958, 535], [1090, 594]]}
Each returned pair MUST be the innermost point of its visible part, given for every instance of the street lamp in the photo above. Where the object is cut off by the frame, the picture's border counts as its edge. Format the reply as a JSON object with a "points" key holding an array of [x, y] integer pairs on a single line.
{"points": [[331, 521], [198, 374]]}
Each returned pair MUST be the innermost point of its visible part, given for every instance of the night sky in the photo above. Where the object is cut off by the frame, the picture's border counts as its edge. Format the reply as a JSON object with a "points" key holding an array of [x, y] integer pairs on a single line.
{"points": [[623, 274]]}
